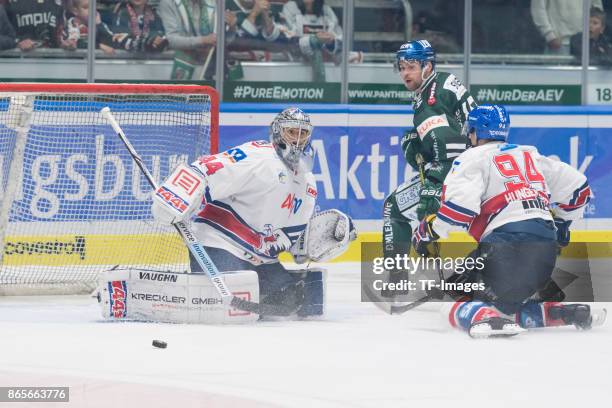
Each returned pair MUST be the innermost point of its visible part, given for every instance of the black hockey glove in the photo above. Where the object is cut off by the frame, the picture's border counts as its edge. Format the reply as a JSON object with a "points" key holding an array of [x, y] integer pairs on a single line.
{"points": [[563, 232], [429, 200], [411, 146], [424, 238]]}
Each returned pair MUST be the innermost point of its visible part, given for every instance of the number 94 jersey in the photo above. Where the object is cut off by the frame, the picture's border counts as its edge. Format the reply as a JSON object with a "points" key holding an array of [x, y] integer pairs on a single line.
{"points": [[499, 183], [254, 206]]}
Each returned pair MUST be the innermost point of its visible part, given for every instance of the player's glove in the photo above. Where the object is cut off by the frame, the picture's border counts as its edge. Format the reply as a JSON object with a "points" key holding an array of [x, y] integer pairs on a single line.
{"points": [[411, 146], [424, 237], [563, 231], [429, 200]]}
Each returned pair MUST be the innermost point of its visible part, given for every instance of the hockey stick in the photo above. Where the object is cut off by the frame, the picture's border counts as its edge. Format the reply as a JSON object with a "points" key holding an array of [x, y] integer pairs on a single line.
{"points": [[400, 309], [429, 296], [196, 249]]}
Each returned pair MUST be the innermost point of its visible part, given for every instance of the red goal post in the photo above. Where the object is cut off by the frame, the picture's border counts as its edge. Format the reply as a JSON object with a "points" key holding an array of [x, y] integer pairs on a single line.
{"points": [[73, 203]]}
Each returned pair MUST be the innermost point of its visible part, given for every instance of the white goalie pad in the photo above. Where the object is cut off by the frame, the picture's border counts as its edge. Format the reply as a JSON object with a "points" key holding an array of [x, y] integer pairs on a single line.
{"points": [[327, 236], [179, 195], [145, 295]]}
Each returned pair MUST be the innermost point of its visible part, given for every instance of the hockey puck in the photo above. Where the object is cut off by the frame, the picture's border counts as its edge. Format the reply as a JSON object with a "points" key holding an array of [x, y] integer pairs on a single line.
{"points": [[160, 344]]}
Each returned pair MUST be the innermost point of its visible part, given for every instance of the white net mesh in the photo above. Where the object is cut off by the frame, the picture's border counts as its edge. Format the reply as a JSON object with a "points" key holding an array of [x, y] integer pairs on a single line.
{"points": [[78, 205]]}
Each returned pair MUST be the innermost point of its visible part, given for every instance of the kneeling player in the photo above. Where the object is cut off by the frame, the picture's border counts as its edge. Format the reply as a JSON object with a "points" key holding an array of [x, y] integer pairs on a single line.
{"points": [[254, 201], [502, 194]]}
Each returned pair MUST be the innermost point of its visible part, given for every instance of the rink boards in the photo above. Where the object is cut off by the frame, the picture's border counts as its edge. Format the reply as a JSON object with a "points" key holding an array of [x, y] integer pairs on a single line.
{"points": [[358, 162], [92, 249]]}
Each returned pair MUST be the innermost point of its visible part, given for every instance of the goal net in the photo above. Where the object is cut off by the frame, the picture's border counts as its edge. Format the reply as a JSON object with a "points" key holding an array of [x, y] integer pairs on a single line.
{"points": [[74, 204]]}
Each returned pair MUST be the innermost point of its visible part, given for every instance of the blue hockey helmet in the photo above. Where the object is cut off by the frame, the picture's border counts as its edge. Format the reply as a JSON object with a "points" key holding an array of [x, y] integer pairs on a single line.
{"points": [[490, 122], [419, 50]]}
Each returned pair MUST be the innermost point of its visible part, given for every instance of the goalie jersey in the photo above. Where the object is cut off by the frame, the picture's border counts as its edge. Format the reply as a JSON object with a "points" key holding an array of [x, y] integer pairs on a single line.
{"points": [[253, 205], [499, 183]]}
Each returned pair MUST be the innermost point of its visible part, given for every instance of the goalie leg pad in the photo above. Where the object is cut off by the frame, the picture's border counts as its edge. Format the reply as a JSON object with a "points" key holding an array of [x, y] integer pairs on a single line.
{"points": [[145, 295], [304, 287]]}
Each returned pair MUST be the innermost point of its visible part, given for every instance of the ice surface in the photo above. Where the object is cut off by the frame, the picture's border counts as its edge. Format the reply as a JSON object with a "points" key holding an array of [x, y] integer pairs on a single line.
{"points": [[357, 357]]}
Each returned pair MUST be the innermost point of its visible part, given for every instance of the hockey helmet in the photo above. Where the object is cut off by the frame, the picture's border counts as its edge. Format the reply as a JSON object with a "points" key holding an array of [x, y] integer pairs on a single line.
{"points": [[419, 50], [290, 134], [490, 122]]}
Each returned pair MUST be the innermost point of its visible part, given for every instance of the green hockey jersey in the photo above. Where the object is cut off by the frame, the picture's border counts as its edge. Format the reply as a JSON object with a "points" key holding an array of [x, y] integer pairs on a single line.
{"points": [[439, 113]]}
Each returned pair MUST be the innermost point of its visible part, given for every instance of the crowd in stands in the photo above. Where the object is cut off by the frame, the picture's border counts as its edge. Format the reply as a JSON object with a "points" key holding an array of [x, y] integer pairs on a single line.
{"points": [[302, 30]]}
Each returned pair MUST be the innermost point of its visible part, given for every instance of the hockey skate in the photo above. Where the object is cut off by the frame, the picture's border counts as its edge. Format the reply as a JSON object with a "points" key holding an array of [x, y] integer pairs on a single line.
{"points": [[580, 315], [494, 327]]}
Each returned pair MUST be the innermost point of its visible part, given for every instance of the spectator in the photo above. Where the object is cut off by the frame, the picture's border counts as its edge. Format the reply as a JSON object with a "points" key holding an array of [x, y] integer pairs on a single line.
{"points": [[138, 27], [7, 31], [190, 30], [76, 31], [254, 19], [37, 23], [558, 21], [316, 29], [600, 44], [427, 27]]}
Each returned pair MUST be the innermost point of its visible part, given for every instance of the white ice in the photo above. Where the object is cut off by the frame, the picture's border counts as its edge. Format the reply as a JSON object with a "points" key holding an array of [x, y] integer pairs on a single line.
{"points": [[357, 357]]}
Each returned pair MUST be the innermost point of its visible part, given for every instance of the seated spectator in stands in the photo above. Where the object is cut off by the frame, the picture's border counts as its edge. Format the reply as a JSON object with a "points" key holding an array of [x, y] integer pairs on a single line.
{"points": [[254, 19], [558, 21], [315, 27], [600, 45], [37, 23], [76, 31], [7, 32], [137, 27], [428, 27], [190, 30]]}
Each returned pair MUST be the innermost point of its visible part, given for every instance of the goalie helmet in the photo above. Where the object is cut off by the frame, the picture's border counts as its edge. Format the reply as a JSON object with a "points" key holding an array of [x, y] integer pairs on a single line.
{"points": [[290, 133], [490, 122]]}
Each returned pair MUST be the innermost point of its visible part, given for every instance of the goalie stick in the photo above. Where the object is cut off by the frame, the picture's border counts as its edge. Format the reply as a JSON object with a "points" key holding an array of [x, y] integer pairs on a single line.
{"points": [[196, 249]]}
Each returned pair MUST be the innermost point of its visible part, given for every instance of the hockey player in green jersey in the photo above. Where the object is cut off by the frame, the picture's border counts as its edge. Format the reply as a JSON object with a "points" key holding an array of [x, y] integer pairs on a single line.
{"points": [[441, 106]]}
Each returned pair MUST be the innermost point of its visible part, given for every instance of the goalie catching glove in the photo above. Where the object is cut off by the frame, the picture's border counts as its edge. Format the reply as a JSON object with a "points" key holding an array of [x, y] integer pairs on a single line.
{"points": [[326, 236]]}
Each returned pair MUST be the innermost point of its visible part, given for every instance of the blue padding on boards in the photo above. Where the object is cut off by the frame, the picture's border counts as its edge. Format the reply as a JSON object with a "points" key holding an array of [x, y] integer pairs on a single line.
{"points": [[234, 107]]}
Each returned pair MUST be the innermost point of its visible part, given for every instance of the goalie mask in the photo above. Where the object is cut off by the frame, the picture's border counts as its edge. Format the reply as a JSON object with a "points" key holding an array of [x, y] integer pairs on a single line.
{"points": [[290, 133]]}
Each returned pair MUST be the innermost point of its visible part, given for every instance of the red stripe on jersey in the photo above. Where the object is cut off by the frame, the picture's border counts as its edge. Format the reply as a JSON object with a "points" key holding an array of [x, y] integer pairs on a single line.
{"points": [[583, 198], [455, 215], [490, 207], [493, 206], [227, 220]]}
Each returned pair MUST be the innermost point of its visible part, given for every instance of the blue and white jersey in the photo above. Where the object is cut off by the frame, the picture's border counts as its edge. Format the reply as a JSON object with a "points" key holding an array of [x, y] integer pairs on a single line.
{"points": [[254, 206], [499, 183]]}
